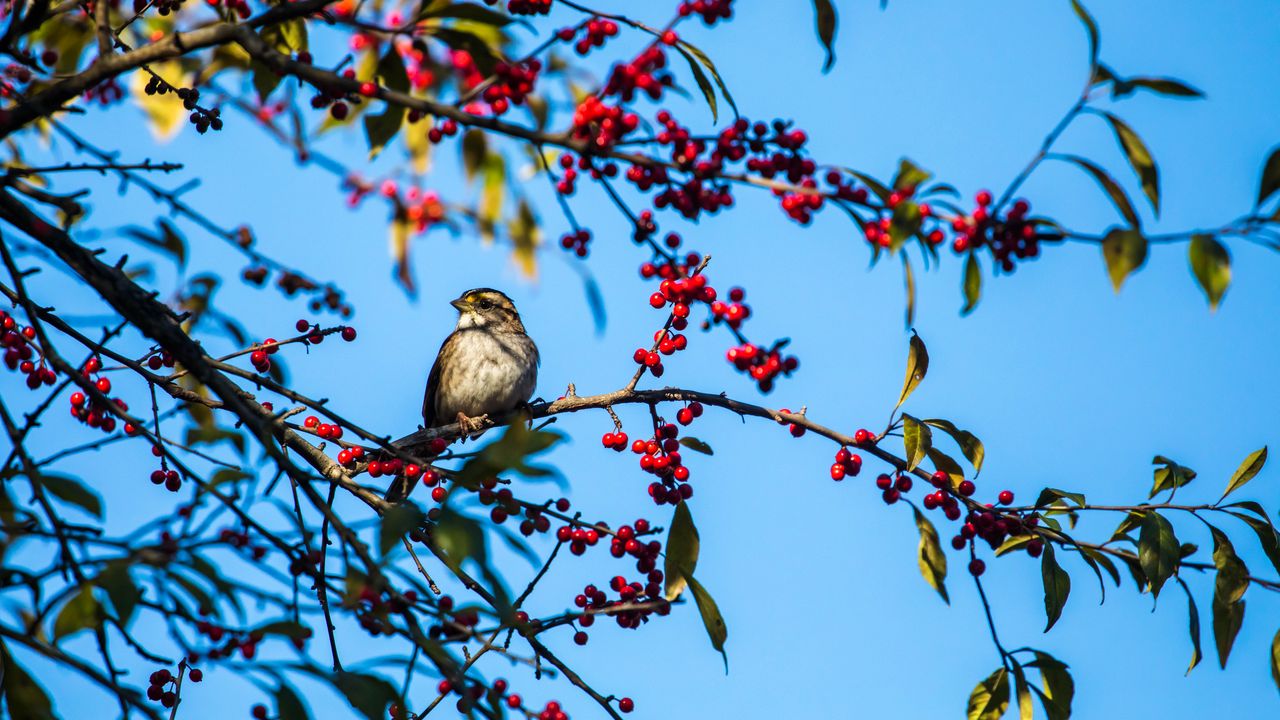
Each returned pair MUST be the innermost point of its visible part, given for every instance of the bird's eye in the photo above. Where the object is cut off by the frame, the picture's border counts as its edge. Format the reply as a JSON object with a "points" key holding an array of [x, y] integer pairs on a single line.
{"points": [[486, 304]]}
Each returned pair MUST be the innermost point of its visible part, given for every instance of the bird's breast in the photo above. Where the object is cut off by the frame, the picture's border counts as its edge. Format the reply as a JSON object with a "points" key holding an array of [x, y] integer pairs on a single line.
{"points": [[489, 373]]}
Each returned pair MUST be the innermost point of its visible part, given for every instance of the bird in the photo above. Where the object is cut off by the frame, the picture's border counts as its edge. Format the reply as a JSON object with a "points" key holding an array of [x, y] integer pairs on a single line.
{"points": [[487, 366]]}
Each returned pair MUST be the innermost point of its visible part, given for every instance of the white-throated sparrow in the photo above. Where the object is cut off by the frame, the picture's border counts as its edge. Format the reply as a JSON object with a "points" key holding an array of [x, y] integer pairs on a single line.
{"points": [[488, 365]]}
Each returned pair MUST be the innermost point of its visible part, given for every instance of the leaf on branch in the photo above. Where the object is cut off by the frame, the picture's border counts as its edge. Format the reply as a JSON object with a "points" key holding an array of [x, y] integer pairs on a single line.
{"points": [[1091, 27], [81, 611], [1170, 477], [711, 618], [23, 696], [1057, 586], [526, 236], [972, 283], [493, 185], [696, 445], [367, 693], [1230, 584], [1251, 466], [120, 588], [1124, 251], [1059, 689], [396, 521], [1161, 86], [1270, 182], [990, 699], [1098, 561], [1158, 550], [945, 463], [1211, 264], [1267, 535], [933, 562], [1026, 711], [466, 11], [1139, 158], [1118, 196], [917, 439], [682, 551], [379, 129], [909, 281], [289, 706], [1275, 659], [825, 23], [698, 60], [511, 453], [168, 240], [917, 367], [969, 444], [1193, 617], [73, 492]]}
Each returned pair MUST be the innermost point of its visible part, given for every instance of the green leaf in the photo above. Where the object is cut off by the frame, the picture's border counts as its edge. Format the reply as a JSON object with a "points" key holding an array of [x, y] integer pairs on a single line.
{"points": [[1158, 550], [396, 521], [1275, 659], [1270, 177], [1211, 264], [80, 612], [73, 492], [1230, 584], [1117, 194], [1160, 86], [696, 445], [705, 61], [467, 11], [1057, 586], [288, 705], [1050, 496], [909, 281], [990, 698], [910, 176], [932, 561], [1090, 27], [1026, 711], [460, 538], [1012, 543], [285, 628], [1251, 466], [969, 444], [917, 367], [475, 147], [167, 239], [23, 696], [367, 693], [704, 84], [945, 463], [1139, 157], [1193, 617], [120, 588], [1267, 536], [379, 129], [711, 618], [1059, 688], [972, 283], [1124, 251], [825, 22], [1170, 477], [682, 551], [917, 438]]}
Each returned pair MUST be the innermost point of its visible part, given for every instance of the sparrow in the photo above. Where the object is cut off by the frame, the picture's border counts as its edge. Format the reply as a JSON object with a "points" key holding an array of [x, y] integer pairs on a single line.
{"points": [[487, 366]]}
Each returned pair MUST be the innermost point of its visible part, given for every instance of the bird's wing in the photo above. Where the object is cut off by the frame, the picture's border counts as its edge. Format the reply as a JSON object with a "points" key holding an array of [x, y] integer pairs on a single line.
{"points": [[429, 418]]}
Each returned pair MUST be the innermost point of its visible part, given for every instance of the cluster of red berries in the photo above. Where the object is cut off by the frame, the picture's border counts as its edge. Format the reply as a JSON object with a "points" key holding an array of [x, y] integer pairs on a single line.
{"points": [[305, 564], [240, 541], [733, 312], [764, 366], [710, 10], [18, 352], [600, 124], [170, 479], [446, 128], [326, 431], [373, 608], [597, 30], [844, 188], [1011, 237], [577, 242], [847, 464], [579, 538], [512, 84], [104, 93], [453, 625], [260, 358], [239, 7], [597, 602], [660, 456], [644, 73], [93, 413], [161, 359], [894, 486], [160, 680], [529, 7]]}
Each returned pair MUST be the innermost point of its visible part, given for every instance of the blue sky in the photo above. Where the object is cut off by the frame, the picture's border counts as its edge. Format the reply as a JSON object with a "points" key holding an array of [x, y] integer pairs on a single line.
{"points": [[1069, 384]]}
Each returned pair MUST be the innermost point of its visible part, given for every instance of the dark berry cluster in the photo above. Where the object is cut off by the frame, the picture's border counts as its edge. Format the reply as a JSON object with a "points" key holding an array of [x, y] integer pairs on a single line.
{"points": [[513, 82], [660, 456], [596, 31], [170, 479], [93, 413], [710, 10], [240, 540], [20, 352], [1012, 237], [163, 685], [529, 7], [577, 242]]}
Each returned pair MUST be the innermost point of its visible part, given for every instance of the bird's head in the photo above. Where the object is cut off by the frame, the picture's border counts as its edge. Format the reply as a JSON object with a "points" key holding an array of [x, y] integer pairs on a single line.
{"points": [[488, 308]]}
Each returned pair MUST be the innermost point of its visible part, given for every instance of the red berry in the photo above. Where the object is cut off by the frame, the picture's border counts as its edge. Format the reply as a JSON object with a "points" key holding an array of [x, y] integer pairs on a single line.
{"points": [[977, 567], [580, 638], [368, 89], [348, 334], [966, 488], [1006, 497], [626, 704], [104, 385], [196, 675]]}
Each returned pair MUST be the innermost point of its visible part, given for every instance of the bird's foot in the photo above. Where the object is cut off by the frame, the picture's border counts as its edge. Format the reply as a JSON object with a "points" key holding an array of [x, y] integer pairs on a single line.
{"points": [[471, 426]]}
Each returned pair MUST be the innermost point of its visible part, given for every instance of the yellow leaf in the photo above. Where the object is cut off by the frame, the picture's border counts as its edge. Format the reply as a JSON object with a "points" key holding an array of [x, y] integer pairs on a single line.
{"points": [[526, 236]]}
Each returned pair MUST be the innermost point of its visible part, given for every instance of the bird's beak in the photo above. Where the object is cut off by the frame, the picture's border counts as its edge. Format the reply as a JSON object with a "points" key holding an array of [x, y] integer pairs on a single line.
{"points": [[461, 304]]}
